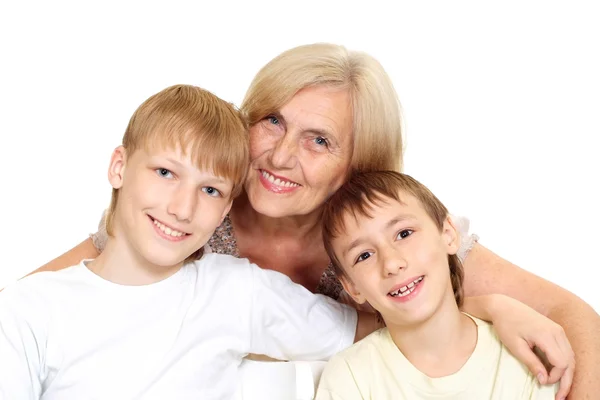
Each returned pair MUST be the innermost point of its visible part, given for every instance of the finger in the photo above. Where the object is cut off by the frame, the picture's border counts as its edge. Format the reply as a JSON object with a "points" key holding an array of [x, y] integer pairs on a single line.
{"points": [[565, 383], [565, 345], [527, 356], [554, 355], [556, 374]]}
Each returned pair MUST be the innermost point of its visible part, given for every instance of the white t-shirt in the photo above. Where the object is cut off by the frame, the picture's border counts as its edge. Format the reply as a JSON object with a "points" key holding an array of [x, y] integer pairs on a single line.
{"points": [[73, 335], [375, 368]]}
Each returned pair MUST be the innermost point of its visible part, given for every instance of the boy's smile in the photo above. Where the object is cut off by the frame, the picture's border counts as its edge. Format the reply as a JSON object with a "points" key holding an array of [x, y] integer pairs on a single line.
{"points": [[407, 290], [168, 232], [397, 259]]}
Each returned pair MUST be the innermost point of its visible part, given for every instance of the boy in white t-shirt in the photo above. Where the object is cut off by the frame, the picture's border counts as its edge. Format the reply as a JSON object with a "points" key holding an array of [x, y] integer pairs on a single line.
{"points": [[144, 320], [394, 246]]}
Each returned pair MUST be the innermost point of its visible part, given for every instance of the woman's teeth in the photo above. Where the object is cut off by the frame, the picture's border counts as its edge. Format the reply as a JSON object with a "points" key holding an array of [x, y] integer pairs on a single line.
{"points": [[278, 181]]}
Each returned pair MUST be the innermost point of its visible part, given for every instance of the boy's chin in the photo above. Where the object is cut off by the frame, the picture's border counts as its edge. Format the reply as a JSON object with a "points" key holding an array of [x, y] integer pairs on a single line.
{"points": [[408, 318]]}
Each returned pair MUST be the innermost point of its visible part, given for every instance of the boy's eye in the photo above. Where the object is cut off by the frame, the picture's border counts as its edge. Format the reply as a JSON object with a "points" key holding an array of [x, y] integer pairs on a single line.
{"points": [[211, 191], [163, 172], [321, 141], [363, 256], [403, 234]]}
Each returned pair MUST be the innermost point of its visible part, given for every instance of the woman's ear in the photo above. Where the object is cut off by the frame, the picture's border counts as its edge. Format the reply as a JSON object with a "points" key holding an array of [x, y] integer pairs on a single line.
{"points": [[450, 236], [116, 169], [352, 290]]}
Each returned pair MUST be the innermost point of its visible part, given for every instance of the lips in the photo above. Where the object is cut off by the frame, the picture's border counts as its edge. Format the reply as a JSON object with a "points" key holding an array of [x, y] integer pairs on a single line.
{"points": [[406, 289], [168, 232], [278, 180], [276, 184]]}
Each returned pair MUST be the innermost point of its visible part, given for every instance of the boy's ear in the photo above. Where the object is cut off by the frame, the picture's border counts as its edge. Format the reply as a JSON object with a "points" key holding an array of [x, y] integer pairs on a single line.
{"points": [[116, 169], [450, 236], [351, 289]]}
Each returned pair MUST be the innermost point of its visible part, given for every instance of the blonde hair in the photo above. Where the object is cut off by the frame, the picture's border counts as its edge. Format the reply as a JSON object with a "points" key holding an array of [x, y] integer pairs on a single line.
{"points": [[362, 191], [210, 129], [378, 122]]}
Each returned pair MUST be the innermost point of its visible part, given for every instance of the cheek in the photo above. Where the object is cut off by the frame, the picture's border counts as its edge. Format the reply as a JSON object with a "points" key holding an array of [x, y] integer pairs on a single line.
{"points": [[259, 142], [211, 214], [432, 256], [331, 175]]}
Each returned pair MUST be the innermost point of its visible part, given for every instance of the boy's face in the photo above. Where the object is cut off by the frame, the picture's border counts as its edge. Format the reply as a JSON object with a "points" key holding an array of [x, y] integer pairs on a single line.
{"points": [[397, 260], [167, 208]]}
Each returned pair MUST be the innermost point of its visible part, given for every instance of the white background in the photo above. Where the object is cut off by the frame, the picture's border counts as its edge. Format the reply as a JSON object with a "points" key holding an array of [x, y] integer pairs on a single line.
{"points": [[501, 102]]}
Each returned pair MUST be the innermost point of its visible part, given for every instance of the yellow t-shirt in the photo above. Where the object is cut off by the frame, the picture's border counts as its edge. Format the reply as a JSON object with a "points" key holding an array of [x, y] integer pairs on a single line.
{"points": [[375, 369]]}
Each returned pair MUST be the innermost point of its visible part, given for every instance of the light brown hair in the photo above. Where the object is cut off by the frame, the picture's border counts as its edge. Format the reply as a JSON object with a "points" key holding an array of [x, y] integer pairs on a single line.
{"points": [[377, 127], [357, 197], [210, 129]]}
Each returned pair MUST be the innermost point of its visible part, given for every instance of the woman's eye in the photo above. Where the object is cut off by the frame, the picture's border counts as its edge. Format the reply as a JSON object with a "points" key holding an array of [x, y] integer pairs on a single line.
{"points": [[273, 119], [363, 256], [403, 234], [321, 141], [211, 191], [165, 173]]}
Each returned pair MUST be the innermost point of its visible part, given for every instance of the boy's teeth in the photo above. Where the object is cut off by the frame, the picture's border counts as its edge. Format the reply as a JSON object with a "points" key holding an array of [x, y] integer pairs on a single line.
{"points": [[278, 181], [406, 290], [168, 230]]}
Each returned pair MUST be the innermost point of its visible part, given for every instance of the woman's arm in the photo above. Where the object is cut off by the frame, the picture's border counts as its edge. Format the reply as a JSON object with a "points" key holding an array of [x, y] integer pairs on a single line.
{"points": [[487, 273], [83, 250]]}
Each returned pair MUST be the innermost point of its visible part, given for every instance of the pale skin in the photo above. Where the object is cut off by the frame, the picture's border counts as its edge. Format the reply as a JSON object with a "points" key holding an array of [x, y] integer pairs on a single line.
{"points": [[289, 147]]}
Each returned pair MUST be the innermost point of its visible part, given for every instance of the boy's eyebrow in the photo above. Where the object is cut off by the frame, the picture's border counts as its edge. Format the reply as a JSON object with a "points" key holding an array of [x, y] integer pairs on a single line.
{"points": [[353, 244], [172, 161], [358, 241], [216, 179], [399, 218]]}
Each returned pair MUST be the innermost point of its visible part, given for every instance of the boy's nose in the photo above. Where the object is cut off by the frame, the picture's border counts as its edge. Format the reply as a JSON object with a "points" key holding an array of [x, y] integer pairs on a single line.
{"points": [[183, 204], [393, 261]]}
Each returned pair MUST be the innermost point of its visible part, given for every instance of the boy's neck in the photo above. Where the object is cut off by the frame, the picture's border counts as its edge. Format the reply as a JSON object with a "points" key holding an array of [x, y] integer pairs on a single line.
{"points": [[440, 345], [121, 265]]}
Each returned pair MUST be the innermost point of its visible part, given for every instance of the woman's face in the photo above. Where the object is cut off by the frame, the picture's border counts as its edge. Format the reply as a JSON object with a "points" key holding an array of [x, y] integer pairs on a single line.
{"points": [[301, 154]]}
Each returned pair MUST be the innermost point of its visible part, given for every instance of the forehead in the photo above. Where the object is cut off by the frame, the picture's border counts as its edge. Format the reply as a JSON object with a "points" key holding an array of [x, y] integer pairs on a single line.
{"points": [[323, 107], [380, 212]]}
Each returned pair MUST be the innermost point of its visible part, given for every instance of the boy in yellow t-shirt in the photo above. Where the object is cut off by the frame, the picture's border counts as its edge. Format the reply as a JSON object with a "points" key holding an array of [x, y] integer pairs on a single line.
{"points": [[394, 246]]}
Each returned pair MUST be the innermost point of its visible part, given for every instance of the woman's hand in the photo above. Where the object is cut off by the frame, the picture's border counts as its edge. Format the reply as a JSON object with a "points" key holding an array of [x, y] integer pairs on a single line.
{"points": [[521, 328]]}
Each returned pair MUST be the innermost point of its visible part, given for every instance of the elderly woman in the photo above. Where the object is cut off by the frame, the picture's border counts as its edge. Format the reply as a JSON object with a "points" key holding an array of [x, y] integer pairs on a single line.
{"points": [[318, 112]]}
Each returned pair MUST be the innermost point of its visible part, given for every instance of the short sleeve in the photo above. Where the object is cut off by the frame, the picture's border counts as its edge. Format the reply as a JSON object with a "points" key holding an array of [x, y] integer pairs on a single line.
{"points": [[467, 241], [101, 236], [288, 322]]}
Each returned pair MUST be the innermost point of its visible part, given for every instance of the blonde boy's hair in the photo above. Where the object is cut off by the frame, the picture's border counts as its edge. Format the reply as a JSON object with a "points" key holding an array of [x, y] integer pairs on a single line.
{"points": [[377, 126], [357, 198], [201, 124]]}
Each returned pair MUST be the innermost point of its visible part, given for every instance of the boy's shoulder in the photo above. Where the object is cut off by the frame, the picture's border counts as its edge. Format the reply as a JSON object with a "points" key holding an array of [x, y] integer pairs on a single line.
{"points": [[222, 264], [45, 281], [37, 292], [222, 269], [372, 346], [349, 372]]}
